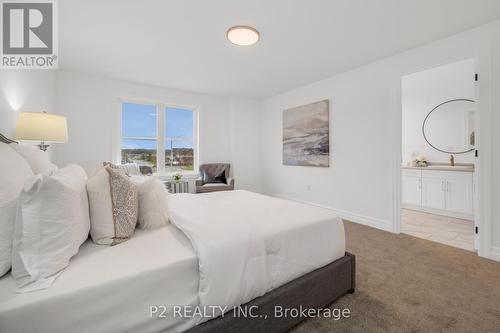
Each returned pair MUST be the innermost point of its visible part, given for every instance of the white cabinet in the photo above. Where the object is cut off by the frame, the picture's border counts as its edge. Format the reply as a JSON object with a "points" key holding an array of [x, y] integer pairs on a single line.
{"points": [[433, 195], [442, 192], [459, 196], [411, 190]]}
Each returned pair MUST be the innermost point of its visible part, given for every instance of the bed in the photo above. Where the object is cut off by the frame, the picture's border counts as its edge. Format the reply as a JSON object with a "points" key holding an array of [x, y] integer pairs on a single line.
{"points": [[223, 249]]}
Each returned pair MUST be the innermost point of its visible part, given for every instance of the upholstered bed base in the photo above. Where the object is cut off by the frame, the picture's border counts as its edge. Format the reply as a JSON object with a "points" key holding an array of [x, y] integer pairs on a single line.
{"points": [[313, 290]]}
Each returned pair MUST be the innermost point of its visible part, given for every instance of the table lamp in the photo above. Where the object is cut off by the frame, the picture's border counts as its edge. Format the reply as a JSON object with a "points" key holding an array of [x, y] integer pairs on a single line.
{"points": [[43, 127]]}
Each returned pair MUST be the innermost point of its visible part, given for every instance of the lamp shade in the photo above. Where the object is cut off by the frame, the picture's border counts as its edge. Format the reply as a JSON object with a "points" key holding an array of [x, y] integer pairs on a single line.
{"points": [[41, 126]]}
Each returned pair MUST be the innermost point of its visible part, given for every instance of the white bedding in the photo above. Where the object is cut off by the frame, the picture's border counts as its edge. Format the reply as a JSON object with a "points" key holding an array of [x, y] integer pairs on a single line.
{"points": [[248, 244], [110, 289]]}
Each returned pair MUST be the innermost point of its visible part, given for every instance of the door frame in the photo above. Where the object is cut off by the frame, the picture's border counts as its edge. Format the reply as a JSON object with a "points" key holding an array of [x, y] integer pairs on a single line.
{"points": [[483, 172]]}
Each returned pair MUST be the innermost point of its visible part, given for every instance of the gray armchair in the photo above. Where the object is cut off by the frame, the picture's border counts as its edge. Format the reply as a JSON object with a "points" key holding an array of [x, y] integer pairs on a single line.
{"points": [[209, 182]]}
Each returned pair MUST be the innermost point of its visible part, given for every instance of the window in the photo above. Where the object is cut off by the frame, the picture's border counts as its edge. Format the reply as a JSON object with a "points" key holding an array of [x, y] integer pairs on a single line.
{"points": [[179, 152], [158, 136], [139, 135]]}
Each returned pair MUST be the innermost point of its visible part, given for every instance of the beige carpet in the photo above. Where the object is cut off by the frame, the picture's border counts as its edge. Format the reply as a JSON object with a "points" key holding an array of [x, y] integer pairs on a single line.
{"points": [[407, 284]]}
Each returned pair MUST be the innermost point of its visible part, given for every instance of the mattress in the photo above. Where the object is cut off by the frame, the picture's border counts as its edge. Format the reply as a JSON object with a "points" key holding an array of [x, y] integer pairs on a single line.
{"points": [[110, 289]]}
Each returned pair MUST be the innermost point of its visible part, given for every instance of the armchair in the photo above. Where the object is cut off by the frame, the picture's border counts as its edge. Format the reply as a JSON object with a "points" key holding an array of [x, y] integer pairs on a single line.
{"points": [[207, 182]]}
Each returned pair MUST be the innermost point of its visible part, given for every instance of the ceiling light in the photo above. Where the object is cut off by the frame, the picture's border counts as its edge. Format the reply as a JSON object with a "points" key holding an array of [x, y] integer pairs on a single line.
{"points": [[243, 35]]}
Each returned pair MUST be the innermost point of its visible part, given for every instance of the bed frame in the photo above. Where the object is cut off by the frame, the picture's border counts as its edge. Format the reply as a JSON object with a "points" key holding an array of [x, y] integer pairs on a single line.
{"points": [[314, 290]]}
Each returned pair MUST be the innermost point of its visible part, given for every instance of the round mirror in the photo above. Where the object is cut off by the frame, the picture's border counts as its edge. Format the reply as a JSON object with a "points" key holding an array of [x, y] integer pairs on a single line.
{"points": [[449, 127]]}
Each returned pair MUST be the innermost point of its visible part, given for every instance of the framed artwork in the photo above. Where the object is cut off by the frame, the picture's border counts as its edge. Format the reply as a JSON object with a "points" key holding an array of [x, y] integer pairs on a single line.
{"points": [[306, 135]]}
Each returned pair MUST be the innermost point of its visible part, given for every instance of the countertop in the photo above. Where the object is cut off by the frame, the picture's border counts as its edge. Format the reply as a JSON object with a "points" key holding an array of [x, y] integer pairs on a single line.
{"points": [[442, 167]]}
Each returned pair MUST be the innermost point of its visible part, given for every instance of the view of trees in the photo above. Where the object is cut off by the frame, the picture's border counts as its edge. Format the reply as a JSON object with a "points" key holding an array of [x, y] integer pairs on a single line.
{"points": [[175, 159]]}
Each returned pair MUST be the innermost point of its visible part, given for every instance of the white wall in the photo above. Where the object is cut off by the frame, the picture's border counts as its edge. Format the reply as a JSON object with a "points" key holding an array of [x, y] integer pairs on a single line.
{"points": [[358, 180], [24, 90], [365, 106], [245, 144], [91, 104], [228, 126], [424, 90]]}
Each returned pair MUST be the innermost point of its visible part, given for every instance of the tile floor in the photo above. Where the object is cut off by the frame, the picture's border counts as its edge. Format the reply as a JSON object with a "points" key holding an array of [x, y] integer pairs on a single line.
{"points": [[442, 229]]}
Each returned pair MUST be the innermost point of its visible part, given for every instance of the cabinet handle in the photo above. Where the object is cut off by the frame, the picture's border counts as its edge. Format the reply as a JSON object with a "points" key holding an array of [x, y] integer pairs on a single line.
{"points": [[443, 186]]}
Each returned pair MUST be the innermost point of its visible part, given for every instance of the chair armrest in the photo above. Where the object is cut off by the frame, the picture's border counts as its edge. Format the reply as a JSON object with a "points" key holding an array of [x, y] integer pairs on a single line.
{"points": [[199, 182], [230, 181]]}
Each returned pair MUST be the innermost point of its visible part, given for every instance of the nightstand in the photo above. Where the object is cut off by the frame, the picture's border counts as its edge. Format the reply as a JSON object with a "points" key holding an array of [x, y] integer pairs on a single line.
{"points": [[177, 187]]}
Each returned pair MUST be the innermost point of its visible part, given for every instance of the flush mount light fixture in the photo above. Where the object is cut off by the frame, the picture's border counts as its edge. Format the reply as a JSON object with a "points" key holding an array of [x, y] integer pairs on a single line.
{"points": [[243, 35]]}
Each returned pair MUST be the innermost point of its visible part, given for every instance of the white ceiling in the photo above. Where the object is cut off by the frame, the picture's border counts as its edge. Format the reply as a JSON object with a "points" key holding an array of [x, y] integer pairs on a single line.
{"points": [[181, 44]]}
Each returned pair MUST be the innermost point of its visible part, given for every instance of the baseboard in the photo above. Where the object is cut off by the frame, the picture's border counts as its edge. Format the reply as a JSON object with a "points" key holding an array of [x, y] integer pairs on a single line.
{"points": [[365, 220], [350, 216], [494, 253]]}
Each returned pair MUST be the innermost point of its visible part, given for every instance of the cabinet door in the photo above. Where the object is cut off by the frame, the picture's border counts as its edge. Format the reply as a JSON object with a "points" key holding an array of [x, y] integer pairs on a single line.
{"points": [[411, 191], [433, 195], [459, 196]]}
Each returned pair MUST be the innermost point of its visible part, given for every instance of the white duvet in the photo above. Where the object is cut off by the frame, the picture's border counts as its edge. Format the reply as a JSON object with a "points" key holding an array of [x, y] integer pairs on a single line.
{"points": [[248, 244]]}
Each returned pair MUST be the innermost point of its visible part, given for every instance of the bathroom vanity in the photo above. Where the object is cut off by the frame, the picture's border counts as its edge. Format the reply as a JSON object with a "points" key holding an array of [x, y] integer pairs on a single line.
{"points": [[439, 189], [443, 188]]}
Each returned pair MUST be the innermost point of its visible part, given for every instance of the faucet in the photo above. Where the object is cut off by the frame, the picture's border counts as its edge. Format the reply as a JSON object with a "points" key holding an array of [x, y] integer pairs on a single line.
{"points": [[452, 160]]}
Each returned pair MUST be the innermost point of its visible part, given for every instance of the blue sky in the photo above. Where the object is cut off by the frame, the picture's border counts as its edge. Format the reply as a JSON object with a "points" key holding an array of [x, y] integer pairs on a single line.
{"points": [[139, 120]]}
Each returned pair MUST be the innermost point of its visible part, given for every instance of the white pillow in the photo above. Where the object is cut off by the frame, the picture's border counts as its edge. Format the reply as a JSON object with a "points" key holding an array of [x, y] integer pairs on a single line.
{"points": [[131, 169], [153, 202], [52, 222], [14, 170], [38, 160], [101, 207], [113, 203]]}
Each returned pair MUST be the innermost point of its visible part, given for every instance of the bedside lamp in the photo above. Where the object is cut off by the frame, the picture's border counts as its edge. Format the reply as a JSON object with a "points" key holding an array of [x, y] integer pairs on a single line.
{"points": [[43, 127]]}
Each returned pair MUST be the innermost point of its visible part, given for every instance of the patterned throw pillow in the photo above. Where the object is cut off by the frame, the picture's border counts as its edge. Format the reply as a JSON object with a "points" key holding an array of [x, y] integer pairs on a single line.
{"points": [[124, 198], [111, 165], [113, 201]]}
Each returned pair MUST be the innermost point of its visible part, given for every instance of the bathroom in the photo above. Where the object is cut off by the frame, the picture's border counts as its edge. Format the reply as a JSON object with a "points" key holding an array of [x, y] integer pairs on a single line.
{"points": [[439, 109]]}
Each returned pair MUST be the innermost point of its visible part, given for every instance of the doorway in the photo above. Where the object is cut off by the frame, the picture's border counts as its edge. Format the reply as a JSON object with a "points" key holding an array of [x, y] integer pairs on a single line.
{"points": [[438, 167]]}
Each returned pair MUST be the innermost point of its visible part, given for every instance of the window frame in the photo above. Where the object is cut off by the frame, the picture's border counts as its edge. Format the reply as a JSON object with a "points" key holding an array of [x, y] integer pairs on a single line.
{"points": [[161, 108]]}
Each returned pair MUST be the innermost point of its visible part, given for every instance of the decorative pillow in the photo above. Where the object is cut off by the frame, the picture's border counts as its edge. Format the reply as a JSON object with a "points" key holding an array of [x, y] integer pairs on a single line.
{"points": [[221, 177], [38, 160], [52, 222], [130, 169], [113, 202], [53, 169], [14, 170], [218, 178], [111, 165], [153, 202]]}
